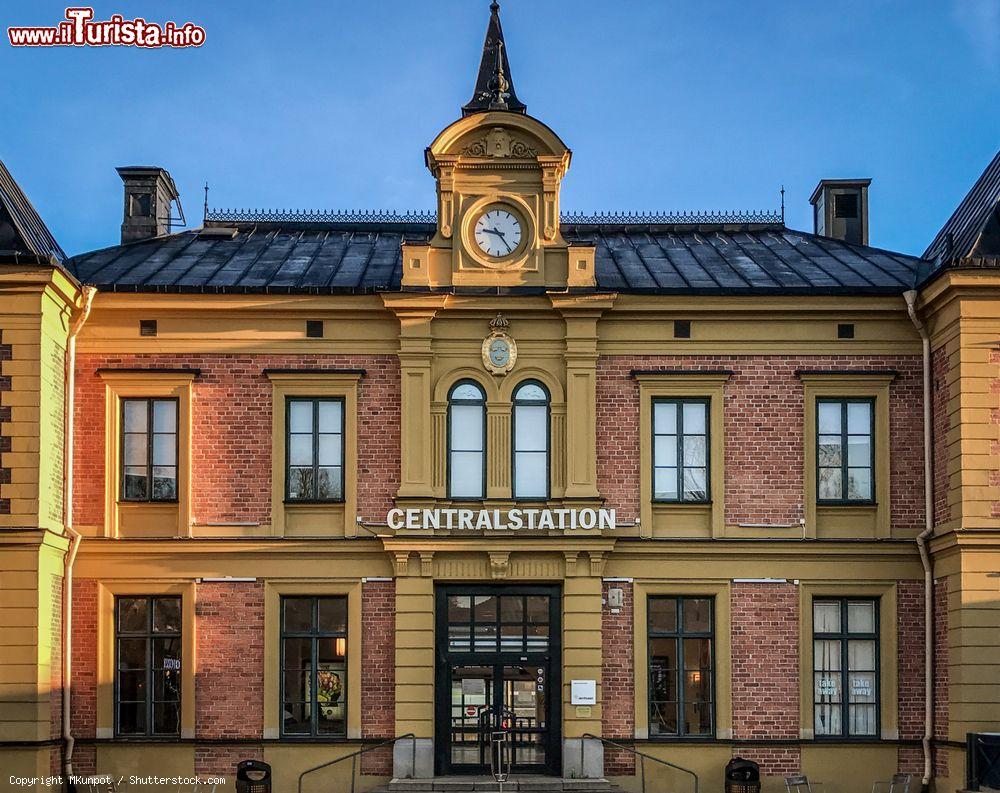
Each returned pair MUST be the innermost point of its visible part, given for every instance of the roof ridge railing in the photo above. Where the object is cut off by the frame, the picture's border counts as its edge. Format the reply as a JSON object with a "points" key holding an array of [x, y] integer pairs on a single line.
{"points": [[319, 216], [680, 218], [764, 216]]}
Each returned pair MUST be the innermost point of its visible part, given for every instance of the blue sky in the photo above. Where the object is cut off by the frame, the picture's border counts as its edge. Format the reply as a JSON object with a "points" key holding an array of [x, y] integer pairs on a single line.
{"points": [[667, 105]]}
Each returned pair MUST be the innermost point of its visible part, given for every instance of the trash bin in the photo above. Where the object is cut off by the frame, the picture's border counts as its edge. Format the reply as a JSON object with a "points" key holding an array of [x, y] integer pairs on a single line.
{"points": [[253, 776], [742, 776]]}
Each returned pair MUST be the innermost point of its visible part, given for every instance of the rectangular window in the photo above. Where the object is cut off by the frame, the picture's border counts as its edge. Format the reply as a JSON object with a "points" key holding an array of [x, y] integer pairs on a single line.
{"points": [[845, 667], [680, 450], [845, 453], [498, 623], [149, 450], [147, 666], [681, 666], [313, 666], [315, 450]]}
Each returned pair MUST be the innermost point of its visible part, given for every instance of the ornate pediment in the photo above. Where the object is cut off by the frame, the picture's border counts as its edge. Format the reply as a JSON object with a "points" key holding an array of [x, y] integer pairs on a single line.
{"points": [[499, 143]]}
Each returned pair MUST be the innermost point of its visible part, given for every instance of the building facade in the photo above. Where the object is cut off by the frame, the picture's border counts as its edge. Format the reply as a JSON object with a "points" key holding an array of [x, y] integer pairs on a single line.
{"points": [[286, 487]]}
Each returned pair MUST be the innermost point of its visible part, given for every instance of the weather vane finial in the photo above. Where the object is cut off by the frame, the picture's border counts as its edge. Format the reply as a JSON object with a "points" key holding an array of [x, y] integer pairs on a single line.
{"points": [[501, 85], [494, 83]]}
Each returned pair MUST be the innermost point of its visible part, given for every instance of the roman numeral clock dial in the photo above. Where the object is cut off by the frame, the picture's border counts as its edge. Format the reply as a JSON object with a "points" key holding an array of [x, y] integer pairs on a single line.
{"points": [[498, 233]]}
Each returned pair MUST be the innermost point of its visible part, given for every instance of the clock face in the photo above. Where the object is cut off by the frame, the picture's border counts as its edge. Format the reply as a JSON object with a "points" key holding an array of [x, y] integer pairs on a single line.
{"points": [[499, 352], [498, 233]]}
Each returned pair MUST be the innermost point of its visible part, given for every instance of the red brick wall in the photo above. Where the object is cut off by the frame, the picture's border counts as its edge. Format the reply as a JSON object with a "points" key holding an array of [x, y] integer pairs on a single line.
{"points": [[232, 432], [765, 660], [910, 677], [84, 759], [6, 353], [378, 672], [939, 431], [222, 758], [773, 760], [229, 681], [764, 434], [765, 672], [84, 681], [941, 693], [55, 672], [618, 679]]}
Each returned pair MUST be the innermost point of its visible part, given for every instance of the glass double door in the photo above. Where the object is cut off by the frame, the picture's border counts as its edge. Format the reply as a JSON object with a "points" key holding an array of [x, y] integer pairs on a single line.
{"points": [[498, 670]]}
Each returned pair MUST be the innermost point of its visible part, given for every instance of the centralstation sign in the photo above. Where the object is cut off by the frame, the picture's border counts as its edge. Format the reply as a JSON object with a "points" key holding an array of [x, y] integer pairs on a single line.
{"points": [[501, 520]]}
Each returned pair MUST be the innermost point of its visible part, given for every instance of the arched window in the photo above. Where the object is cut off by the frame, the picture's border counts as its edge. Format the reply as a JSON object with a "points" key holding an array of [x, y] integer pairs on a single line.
{"points": [[467, 441], [531, 441]]}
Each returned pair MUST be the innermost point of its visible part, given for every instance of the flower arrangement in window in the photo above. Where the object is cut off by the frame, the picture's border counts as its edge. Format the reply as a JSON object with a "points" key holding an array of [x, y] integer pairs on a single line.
{"points": [[328, 687]]}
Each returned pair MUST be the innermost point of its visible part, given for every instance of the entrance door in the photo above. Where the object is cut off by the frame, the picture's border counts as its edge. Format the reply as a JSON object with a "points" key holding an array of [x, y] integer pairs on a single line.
{"points": [[498, 670]]}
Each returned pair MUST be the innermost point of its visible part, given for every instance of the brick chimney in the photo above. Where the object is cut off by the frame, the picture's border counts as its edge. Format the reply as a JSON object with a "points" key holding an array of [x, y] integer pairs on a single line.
{"points": [[840, 209], [149, 195]]}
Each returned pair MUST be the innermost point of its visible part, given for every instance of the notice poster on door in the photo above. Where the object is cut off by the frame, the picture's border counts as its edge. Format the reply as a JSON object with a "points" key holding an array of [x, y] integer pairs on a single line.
{"points": [[583, 692], [473, 687]]}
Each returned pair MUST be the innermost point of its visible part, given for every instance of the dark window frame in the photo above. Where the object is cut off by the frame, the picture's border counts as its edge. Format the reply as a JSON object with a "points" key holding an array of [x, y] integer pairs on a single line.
{"points": [[678, 635], [547, 404], [449, 450], [149, 498], [844, 403], [315, 635], [149, 635], [843, 636], [315, 401], [476, 647], [680, 402]]}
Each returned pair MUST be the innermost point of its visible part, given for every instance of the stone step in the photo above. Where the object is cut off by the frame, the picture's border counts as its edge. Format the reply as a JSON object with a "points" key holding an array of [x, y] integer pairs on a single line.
{"points": [[481, 784]]}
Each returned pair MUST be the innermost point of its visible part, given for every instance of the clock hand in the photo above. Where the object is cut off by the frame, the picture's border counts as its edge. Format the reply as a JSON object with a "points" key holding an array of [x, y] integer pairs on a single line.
{"points": [[502, 236]]}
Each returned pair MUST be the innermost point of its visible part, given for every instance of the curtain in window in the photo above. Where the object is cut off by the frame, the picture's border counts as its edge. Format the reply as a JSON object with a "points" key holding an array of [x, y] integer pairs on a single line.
{"points": [[466, 441], [531, 441]]}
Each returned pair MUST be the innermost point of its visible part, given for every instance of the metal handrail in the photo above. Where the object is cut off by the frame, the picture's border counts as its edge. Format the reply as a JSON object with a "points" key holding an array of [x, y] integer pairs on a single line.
{"points": [[353, 757], [642, 755]]}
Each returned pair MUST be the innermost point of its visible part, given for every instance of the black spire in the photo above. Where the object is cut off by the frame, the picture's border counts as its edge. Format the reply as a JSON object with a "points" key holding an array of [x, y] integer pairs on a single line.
{"points": [[494, 86]]}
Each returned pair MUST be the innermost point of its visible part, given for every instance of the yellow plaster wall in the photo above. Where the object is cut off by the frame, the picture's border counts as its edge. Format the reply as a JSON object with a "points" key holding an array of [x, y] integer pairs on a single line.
{"points": [[582, 650], [415, 654], [34, 315], [22, 714], [963, 309]]}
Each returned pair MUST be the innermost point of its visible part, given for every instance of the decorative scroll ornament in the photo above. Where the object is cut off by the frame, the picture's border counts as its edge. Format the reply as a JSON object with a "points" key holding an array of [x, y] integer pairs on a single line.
{"points": [[499, 349], [499, 144]]}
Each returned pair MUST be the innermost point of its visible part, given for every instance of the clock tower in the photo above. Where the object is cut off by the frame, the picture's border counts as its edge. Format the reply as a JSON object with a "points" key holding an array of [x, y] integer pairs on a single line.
{"points": [[498, 173]]}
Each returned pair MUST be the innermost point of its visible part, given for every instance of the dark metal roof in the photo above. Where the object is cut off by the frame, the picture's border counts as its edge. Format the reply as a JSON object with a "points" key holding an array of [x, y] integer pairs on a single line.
{"points": [[22, 230], [973, 230], [365, 256], [733, 259], [494, 84]]}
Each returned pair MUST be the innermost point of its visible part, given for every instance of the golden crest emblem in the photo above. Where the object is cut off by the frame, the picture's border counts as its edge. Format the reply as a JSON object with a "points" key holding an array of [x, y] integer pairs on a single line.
{"points": [[499, 349]]}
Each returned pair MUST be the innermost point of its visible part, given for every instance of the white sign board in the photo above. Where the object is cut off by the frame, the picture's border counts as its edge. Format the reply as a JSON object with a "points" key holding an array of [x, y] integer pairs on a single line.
{"points": [[583, 692]]}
